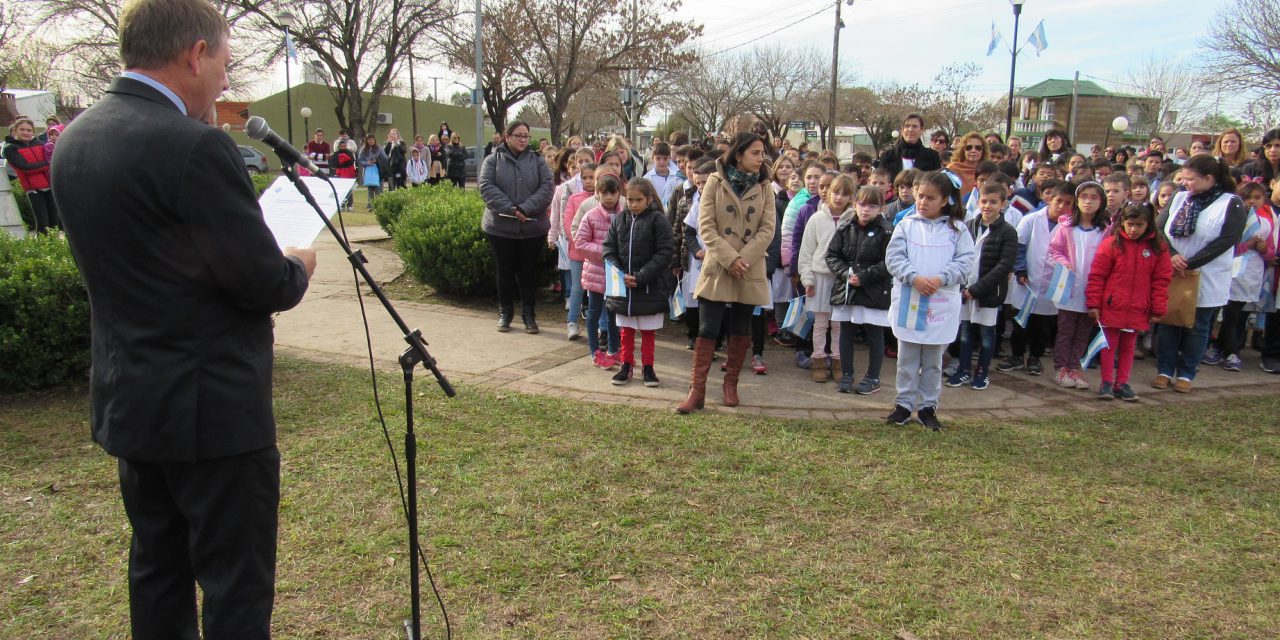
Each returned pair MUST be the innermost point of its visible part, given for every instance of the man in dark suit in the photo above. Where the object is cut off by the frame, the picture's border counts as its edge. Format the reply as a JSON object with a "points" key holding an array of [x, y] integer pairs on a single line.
{"points": [[183, 276]]}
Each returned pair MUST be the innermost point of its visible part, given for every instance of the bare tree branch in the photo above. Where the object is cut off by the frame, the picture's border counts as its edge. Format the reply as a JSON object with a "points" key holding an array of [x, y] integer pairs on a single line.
{"points": [[1178, 95]]}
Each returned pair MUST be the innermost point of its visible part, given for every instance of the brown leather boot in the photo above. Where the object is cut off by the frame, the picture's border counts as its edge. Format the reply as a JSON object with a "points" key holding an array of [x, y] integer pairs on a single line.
{"points": [[702, 350], [735, 355]]}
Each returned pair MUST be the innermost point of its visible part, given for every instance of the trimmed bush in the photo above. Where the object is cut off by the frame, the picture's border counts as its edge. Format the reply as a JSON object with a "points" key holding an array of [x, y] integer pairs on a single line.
{"points": [[261, 182], [24, 205], [439, 239], [390, 205], [44, 313]]}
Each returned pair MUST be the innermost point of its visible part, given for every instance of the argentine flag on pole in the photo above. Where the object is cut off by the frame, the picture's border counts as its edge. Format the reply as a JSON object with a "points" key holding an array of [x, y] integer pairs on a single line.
{"points": [[995, 39], [913, 309], [614, 284], [1099, 343], [1024, 312], [290, 50], [1038, 40], [1061, 285]]}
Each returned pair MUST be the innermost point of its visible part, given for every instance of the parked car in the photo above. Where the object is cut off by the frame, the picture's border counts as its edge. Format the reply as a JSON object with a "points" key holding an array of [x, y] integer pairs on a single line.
{"points": [[254, 160]]}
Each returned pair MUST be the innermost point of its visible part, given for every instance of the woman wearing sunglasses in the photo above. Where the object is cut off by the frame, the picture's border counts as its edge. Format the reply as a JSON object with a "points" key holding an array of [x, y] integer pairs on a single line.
{"points": [[971, 150]]}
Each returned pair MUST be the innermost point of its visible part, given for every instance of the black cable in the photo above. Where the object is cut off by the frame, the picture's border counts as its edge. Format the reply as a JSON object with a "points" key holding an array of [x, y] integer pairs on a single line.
{"points": [[386, 432]]}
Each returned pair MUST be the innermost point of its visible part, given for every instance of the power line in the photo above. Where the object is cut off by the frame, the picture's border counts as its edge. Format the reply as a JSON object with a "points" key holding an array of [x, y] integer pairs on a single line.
{"points": [[782, 28]]}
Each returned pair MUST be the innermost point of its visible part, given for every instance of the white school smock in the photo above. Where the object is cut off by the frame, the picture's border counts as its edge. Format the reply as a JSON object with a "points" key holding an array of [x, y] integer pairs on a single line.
{"points": [[1013, 216], [1034, 231], [1085, 245], [1215, 277], [1246, 285], [930, 248]]}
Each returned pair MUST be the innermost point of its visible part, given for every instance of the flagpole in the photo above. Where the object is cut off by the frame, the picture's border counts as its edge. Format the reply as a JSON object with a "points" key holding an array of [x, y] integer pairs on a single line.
{"points": [[1013, 66]]}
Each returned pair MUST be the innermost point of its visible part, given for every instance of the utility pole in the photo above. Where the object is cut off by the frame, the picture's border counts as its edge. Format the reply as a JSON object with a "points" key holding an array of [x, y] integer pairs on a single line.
{"points": [[435, 93], [413, 97], [835, 69], [1075, 97], [477, 96]]}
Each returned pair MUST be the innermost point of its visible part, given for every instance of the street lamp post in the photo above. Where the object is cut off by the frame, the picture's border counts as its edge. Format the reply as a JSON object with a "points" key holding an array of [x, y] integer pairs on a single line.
{"points": [[306, 120], [413, 98], [1013, 65], [286, 21], [1120, 124]]}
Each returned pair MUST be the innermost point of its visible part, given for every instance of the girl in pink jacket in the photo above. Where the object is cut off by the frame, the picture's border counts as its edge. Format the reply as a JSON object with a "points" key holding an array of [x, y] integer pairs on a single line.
{"points": [[1073, 245], [589, 239]]}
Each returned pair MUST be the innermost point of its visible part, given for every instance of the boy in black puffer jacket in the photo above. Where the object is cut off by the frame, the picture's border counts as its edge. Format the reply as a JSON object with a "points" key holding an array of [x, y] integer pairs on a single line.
{"points": [[996, 244], [639, 243]]}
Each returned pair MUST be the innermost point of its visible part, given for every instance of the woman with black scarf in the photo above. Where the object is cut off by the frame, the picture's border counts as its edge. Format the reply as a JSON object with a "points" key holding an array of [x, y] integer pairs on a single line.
{"points": [[909, 152]]}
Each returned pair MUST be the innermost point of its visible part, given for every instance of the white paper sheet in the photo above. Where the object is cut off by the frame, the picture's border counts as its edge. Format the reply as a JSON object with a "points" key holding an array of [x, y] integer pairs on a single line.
{"points": [[291, 219]]}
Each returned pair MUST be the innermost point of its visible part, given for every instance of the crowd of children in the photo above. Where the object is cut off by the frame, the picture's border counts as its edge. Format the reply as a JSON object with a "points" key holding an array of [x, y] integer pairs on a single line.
{"points": [[1068, 258]]}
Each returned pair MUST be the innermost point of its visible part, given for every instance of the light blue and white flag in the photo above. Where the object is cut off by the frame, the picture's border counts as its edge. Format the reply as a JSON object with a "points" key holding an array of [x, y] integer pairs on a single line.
{"points": [[806, 325], [1038, 40], [289, 49], [1099, 343], [913, 309], [615, 285], [677, 302], [794, 315], [1024, 311], [1061, 284], [995, 39], [971, 210]]}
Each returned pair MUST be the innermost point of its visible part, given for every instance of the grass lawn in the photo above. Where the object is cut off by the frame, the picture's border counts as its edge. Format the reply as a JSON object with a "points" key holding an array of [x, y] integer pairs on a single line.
{"points": [[552, 519]]}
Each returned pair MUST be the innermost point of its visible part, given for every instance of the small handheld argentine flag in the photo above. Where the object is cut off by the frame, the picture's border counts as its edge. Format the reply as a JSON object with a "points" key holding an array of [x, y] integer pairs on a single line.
{"points": [[676, 303], [614, 284], [1061, 284], [1024, 311], [795, 314], [913, 309], [1099, 343], [971, 209]]}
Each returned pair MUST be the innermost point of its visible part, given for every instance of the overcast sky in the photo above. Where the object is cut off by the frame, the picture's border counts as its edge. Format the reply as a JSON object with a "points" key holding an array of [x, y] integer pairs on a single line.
{"points": [[910, 40]]}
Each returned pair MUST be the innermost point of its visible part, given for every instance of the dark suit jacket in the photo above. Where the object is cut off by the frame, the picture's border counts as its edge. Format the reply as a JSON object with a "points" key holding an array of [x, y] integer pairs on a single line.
{"points": [[182, 274]]}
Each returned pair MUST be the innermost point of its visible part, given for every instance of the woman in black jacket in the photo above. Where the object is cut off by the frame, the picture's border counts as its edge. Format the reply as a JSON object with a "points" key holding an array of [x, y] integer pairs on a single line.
{"points": [[996, 243], [639, 243], [456, 161], [397, 153], [861, 293]]}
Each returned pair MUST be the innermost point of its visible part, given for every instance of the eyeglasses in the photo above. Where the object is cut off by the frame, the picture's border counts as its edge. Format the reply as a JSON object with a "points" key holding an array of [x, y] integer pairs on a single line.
{"points": [[521, 137], [973, 147]]}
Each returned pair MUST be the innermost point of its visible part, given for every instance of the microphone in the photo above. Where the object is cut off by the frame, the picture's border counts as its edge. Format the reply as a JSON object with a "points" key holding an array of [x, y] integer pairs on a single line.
{"points": [[257, 129]]}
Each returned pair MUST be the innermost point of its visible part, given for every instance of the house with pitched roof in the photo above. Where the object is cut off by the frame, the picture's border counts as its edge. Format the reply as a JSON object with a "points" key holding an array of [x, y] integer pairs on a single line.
{"points": [[1048, 104]]}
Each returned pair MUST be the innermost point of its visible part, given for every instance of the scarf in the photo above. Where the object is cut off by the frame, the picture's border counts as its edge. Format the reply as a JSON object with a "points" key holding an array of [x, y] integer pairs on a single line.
{"points": [[910, 149], [1184, 222], [740, 181]]}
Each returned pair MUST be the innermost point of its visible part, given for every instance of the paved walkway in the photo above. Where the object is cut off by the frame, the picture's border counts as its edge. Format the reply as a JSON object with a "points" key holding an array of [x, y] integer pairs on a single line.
{"points": [[326, 326]]}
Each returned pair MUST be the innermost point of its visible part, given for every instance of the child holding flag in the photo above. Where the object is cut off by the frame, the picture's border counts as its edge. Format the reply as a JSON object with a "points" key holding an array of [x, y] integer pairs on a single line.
{"points": [[1033, 271], [590, 238], [1127, 291], [929, 256], [1071, 251], [1247, 270]]}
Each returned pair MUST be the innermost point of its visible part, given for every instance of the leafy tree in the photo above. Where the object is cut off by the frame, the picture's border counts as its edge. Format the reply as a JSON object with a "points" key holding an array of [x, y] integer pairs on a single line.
{"points": [[502, 87]]}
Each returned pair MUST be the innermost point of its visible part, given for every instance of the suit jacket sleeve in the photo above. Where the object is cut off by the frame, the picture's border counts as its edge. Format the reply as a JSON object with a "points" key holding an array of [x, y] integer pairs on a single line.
{"points": [[229, 232]]}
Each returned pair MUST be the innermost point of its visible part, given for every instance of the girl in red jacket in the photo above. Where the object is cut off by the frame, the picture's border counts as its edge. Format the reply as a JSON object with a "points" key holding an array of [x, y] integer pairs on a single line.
{"points": [[26, 155], [1127, 292]]}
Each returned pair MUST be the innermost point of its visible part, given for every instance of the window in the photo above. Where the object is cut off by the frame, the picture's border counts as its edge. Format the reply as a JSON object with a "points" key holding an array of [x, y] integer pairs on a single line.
{"points": [[1046, 110]]}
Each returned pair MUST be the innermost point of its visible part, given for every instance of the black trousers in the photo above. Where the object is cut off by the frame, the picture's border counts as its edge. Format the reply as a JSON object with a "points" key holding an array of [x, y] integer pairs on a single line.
{"points": [[1271, 336], [211, 522], [519, 261], [44, 210], [458, 182], [712, 315], [1038, 335]]}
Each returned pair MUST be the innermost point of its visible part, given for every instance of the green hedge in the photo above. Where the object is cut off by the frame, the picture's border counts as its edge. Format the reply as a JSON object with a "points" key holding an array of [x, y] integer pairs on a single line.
{"points": [[437, 234], [24, 205], [44, 313], [390, 205], [261, 182]]}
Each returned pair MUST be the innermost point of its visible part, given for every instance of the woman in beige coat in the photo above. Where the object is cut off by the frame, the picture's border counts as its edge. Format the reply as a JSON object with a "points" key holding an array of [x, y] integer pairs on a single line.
{"points": [[735, 225]]}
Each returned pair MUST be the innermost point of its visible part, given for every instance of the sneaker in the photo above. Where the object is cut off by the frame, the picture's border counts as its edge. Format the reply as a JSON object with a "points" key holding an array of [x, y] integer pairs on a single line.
{"points": [[803, 360], [1105, 391], [929, 418], [1012, 363], [1161, 381], [950, 370], [784, 339], [574, 331], [1182, 385], [758, 365], [1125, 392], [867, 387], [689, 345], [845, 384], [1231, 363], [1270, 365], [818, 372], [1078, 378], [959, 379], [980, 382], [597, 359], [1212, 355], [900, 416], [1064, 379], [771, 326], [623, 375], [650, 378], [1033, 367]]}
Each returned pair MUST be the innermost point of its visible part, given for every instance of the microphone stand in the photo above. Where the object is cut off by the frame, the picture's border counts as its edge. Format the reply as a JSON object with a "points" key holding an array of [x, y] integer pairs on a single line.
{"points": [[409, 360]]}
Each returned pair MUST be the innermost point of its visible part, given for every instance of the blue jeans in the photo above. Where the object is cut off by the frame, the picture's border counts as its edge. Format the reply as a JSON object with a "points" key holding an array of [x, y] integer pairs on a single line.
{"points": [[574, 291], [1178, 350], [596, 313], [987, 336]]}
